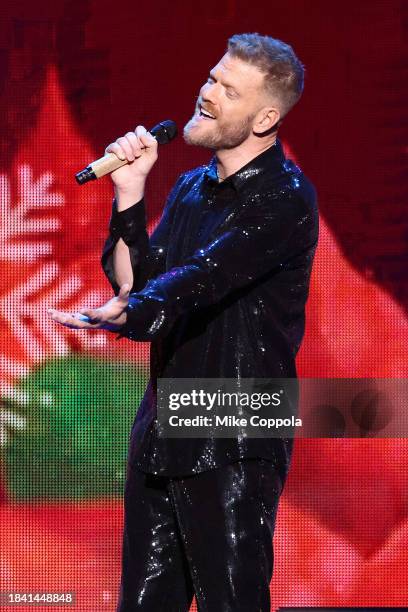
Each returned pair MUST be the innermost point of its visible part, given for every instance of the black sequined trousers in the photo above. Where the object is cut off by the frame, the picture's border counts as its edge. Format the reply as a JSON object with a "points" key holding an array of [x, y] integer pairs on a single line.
{"points": [[208, 534]]}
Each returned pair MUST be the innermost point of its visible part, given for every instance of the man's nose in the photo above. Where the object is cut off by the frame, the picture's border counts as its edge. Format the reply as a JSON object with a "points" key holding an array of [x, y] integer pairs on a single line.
{"points": [[209, 92]]}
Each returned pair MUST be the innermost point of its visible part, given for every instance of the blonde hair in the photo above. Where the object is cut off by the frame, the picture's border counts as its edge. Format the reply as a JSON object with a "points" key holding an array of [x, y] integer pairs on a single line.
{"points": [[284, 73]]}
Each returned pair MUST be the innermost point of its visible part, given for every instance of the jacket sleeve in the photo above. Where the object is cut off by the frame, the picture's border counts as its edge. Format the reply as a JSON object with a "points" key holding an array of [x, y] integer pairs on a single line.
{"points": [[147, 255], [264, 238]]}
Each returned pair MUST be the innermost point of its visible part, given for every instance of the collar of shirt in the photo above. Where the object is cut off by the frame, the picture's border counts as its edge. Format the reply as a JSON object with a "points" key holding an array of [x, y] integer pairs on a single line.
{"points": [[272, 161]]}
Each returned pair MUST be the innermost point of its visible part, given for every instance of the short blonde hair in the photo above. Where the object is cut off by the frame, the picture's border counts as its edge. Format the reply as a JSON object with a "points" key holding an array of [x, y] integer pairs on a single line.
{"points": [[284, 73]]}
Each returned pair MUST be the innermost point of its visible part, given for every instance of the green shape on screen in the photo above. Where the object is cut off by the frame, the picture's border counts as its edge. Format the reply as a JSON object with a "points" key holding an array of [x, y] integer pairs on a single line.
{"points": [[78, 414]]}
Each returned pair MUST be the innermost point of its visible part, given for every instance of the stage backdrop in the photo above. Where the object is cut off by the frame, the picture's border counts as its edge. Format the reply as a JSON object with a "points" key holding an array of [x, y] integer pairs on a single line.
{"points": [[77, 74]]}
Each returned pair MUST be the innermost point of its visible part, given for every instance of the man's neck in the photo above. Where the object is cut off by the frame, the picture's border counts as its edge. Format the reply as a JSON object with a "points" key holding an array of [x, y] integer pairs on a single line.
{"points": [[230, 161]]}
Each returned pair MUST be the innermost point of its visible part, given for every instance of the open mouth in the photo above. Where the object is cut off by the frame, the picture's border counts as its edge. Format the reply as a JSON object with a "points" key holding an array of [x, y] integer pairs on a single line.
{"points": [[204, 113]]}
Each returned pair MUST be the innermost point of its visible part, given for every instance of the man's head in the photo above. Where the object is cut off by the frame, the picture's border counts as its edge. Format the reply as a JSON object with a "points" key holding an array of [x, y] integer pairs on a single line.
{"points": [[249, 91]]}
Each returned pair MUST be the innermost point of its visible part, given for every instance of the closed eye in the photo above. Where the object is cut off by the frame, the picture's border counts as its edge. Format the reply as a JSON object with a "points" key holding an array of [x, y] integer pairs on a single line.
{"points": [[230, 91]]}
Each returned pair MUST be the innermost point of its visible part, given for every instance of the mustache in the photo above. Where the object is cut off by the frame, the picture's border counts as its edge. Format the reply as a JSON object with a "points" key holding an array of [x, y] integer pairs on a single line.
{"points": [[208, 107]]}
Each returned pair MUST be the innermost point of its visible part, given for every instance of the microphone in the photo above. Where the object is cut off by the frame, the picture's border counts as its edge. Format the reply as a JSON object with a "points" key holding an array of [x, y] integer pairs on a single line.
{"points": [[164, 132]]}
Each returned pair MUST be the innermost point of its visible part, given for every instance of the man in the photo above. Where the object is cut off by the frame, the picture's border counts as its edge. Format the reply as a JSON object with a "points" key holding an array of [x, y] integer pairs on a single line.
{"points": [[220, 290]]}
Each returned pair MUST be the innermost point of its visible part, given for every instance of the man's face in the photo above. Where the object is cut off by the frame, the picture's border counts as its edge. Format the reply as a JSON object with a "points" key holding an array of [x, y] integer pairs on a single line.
{"points": [[232, 95]]}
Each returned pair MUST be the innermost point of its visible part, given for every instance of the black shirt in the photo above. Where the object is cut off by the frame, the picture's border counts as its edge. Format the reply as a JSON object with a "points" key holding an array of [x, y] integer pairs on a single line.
{"points": [[220, 291]]}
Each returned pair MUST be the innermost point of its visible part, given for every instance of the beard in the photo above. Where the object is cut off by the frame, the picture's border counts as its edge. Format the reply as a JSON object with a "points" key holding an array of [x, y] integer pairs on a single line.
{"points": [[220, 135]]}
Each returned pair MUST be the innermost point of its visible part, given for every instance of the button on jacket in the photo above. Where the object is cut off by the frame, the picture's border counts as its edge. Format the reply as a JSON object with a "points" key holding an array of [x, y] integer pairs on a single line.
{"points": [[219, 290]]}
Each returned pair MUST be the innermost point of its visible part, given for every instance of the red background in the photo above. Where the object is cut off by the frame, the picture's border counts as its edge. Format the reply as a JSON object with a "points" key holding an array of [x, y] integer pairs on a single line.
{"points": [[75, 76]]}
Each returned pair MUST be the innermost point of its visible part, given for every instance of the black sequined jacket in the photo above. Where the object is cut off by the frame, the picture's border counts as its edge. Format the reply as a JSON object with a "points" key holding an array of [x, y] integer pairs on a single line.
{"points": [[219, 290]]}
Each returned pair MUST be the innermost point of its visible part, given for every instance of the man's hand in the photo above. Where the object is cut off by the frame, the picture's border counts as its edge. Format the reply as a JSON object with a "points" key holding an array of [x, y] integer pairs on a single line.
{"points": [[110, 316], [139, 148]]}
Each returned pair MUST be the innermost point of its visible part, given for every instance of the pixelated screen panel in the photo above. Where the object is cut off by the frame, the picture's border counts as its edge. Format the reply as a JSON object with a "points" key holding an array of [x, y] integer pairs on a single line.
{"points": [[78, 75]]}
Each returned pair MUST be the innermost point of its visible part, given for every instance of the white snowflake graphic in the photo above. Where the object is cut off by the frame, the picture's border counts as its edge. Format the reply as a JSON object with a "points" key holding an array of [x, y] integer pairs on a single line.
{"points": [[26, 223], [19, 219]]}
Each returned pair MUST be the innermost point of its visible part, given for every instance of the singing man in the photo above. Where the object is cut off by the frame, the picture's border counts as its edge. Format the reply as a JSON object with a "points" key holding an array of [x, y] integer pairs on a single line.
{"points": [[219, 289]]}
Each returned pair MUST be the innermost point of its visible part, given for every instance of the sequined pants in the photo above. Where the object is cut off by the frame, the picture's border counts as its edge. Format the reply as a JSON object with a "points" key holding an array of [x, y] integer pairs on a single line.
{"points": [[208, 534]]}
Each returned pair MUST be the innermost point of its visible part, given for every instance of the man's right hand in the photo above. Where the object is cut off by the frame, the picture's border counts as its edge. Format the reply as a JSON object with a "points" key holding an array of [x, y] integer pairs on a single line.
{"points": [[139, 148]]}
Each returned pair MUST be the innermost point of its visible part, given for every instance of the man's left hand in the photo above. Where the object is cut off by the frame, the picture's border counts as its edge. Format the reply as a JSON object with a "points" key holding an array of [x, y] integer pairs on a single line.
{"points": [[111, 316]]}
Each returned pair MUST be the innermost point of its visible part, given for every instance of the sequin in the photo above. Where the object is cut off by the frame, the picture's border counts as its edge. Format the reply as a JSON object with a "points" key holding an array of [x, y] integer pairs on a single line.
{"points": [[211, 535], [220, 290]]}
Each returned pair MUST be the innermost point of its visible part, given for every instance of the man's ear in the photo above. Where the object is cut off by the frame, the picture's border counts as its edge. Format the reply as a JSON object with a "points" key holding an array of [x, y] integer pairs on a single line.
{"points": [[266, 119]]}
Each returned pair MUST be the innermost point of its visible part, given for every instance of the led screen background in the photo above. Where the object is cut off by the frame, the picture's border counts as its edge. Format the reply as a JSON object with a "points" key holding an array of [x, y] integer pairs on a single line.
{"points": [[75, 76]]}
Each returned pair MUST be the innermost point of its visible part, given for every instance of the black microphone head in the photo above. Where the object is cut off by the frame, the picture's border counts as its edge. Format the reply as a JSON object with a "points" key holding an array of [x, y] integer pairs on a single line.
{"points": [[164, 131]]}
